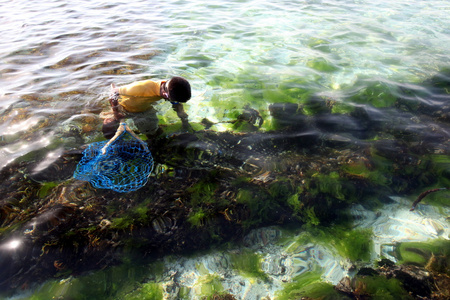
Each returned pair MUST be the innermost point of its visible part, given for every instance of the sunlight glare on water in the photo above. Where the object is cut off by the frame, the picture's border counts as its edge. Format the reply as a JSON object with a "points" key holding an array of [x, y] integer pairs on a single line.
{"points": [[72, 51]]}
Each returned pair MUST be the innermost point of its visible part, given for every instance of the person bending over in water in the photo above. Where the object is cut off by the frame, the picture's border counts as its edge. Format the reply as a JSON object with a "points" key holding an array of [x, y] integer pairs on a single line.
{"points": [[137, 100]]}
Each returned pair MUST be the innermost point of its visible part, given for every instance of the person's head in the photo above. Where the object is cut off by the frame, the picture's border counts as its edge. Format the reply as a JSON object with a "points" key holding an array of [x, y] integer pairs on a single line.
{"points": [[177, 89]]}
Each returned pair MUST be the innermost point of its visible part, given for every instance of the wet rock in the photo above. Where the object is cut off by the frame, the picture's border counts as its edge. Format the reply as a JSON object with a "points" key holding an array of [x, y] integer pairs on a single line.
{"points": [[403, 281], [289, 115], [414, 279], [339, 123]]}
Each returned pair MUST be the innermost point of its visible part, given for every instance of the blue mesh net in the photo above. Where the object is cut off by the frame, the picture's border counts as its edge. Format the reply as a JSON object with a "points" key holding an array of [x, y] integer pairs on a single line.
{"points": [[125, 166]]}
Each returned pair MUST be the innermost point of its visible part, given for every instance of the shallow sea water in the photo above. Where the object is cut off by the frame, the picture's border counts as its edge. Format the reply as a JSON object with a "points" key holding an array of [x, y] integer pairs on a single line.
{"points": [[58, 59]]}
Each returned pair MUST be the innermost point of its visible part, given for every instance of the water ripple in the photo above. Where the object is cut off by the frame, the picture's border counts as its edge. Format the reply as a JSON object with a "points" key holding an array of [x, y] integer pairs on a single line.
{"points": [[66, 54]]}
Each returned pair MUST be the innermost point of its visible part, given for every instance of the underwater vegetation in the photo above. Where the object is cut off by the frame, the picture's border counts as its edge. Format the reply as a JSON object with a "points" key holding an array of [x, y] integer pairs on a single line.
{"points": [[434, 254], [309, 286], [119, 282], [297, 159], [353, 244], [248, 264], [422, 272]]}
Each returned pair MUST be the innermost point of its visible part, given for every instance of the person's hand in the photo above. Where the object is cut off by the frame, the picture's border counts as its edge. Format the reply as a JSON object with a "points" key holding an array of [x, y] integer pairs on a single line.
{"points": [[103, 151], [114, 89]]}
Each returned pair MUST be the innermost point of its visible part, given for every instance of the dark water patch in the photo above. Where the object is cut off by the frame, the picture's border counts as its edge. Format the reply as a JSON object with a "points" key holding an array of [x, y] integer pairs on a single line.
{"points": [[431, 98]]}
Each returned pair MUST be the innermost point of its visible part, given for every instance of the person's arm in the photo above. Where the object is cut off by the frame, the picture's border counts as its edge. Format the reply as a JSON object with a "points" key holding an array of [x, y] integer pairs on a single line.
{"points": [[123, 127], [179, 109], [114, 102]]}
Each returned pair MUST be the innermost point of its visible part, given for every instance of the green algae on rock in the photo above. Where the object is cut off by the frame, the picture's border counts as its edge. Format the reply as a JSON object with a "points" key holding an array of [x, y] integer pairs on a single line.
{"points": [[309, 286], [248, 264], [420, 253]]}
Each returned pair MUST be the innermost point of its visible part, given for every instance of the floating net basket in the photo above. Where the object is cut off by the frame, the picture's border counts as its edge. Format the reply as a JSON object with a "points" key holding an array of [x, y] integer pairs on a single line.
{"points": [[125, 166]]}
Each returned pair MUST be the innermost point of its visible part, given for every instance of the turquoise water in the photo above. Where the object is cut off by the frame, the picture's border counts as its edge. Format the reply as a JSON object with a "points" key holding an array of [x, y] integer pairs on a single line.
{"points": [[58, 59]]}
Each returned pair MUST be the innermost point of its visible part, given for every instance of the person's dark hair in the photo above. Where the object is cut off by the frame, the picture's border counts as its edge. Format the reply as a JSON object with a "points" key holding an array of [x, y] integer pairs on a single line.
{"points": [[179, 89]]}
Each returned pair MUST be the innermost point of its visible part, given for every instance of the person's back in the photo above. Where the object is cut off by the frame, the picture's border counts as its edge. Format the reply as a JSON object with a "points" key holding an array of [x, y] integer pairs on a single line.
{"points": [[137, 100]]}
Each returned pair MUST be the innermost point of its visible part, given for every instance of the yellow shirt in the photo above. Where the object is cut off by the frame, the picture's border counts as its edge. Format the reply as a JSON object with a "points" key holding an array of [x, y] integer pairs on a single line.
{"points": [[139, 96]]}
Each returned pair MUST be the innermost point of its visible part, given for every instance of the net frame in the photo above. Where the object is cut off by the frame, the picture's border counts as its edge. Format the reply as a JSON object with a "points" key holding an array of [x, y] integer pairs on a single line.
{"points": [[122, 164]]}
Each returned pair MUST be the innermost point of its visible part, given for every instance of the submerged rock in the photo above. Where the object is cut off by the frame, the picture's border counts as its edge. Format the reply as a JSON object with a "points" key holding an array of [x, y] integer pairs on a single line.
{"points": [[397, 281]]}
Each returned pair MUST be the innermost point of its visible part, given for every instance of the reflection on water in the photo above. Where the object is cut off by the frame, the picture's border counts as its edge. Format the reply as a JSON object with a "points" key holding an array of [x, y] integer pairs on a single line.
{"points": [[308, 89], [11, 245]]}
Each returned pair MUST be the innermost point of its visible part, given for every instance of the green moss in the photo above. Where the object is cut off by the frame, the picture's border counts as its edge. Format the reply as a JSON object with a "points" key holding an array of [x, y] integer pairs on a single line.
{"points": [[360, 169], [295, 204], [248, 264], [309, 216], [296, 88], [203, 192], [383, 166], [259, 203], [342, 108], [137, 214], [355, 245], [441, 168], [200, 267], [11, 228], [209, 285], [315, 105], [319, 290], [281, 189], [243, 126], [308, 286], [122, 222], [113, 283], [147, 291], [321, 64], [221, 127], [419, 253], [278, 96], [46, 188], [175, 126], [197, 218], [410, 256], [184, 293], [377, 94], [241, 180], [157, 269], [331, 184], [381, 288], [294, 289]]}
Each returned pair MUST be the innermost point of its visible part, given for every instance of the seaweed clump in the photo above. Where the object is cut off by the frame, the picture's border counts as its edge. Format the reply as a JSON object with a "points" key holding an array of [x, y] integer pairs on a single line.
{"points": [[422, 272]]}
